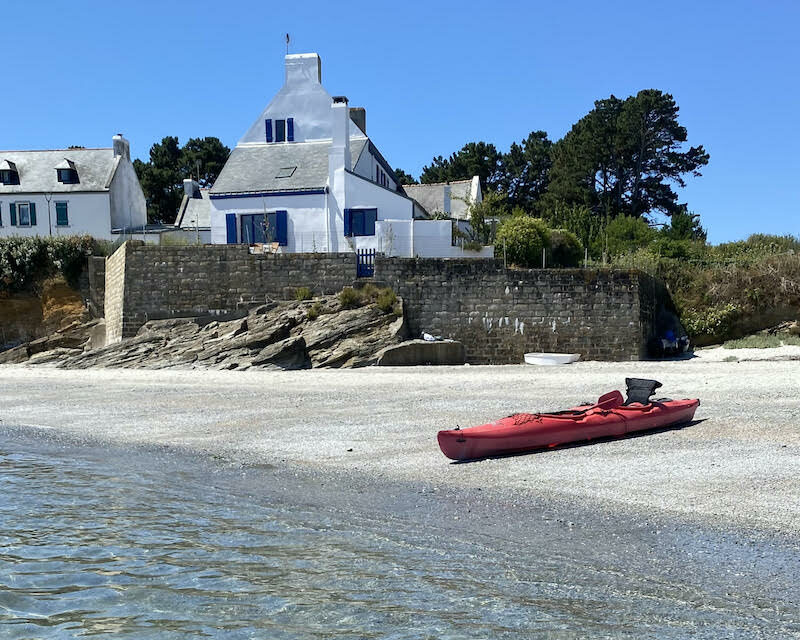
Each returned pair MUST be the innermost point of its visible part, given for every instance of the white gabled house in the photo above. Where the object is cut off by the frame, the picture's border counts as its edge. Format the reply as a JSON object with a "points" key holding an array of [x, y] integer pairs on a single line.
{"points": [[306, 177], [70, 192]]}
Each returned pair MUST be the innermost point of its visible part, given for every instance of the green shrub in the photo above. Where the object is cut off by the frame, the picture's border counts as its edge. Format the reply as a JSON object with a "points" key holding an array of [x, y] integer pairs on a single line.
{"points": [[523, 238], [713, 322], [623, 235], [26, 262], [349, 298], [565, 249], [314, 311], [303, 293], [386, 300]]}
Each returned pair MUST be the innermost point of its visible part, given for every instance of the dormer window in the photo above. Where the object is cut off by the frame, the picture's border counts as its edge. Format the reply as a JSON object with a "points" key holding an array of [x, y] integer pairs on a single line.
{"points": [[67, 173], [279, 130], [8, 172]]}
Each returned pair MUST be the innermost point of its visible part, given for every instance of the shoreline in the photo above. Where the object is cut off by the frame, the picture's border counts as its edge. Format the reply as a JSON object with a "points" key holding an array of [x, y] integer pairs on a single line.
{"points": [[736, 468]]}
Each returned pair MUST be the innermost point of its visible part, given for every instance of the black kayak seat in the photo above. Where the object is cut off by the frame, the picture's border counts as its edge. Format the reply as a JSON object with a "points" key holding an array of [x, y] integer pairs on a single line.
{"points": [[640, 390]]}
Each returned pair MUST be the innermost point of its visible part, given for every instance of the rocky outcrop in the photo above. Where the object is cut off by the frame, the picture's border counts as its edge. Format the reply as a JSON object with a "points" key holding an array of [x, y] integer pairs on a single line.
{"points": [[422, 352], [285, 335]]}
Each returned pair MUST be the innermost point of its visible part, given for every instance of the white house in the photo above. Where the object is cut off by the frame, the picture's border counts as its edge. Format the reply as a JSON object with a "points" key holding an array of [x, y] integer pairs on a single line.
{"points": [[306, 177], [70, 191]]}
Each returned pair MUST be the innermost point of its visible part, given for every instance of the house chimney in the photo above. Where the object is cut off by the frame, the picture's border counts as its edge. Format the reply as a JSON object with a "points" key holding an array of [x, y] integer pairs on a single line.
{"points": [[340, 143], [121, 146], [359, 116], [190, 187], [302, 68]]}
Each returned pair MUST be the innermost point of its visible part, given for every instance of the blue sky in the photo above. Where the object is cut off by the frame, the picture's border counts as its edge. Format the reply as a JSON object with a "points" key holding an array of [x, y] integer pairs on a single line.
{"points": [[432, 76]]}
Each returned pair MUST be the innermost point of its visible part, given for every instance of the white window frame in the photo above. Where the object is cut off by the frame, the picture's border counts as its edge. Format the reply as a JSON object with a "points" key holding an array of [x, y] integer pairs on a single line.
{"points": [[19, 214]]}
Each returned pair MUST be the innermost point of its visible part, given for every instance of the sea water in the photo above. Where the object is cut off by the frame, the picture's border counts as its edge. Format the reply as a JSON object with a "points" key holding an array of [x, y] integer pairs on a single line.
{"points": [[131, 543]]}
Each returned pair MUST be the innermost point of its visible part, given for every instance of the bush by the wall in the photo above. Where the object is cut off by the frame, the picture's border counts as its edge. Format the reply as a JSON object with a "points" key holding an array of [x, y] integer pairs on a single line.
{"points": [[27, 261], [523, 239], [565, 249]]}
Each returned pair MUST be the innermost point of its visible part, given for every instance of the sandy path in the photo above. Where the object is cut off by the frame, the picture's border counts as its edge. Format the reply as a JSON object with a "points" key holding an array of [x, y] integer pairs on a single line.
{"points": [[739, 466]]}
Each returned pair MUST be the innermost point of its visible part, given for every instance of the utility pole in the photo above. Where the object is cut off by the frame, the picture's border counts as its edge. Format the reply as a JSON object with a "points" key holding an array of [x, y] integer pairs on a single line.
{"points": [[49, 197]]}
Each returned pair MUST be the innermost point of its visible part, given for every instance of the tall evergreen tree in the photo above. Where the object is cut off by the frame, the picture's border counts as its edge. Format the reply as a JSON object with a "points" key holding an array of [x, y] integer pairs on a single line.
{"points": [[162, 176], [474, 159], [525, 170], [624, 157]]}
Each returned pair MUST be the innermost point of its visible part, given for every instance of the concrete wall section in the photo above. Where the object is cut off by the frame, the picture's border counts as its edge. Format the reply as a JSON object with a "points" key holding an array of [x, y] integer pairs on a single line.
{"points": [[114, 300], [500, 315]]}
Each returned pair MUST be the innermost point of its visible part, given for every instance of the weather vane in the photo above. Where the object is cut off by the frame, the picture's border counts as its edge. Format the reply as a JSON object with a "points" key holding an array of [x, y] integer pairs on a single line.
{"points": [[287, 44]]}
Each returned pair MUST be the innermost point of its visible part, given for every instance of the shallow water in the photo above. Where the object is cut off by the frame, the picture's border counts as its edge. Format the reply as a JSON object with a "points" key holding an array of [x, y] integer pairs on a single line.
{"points": [[149, 544]]}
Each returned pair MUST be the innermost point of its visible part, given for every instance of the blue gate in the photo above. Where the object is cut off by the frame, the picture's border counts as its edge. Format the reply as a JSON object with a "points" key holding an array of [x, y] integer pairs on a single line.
{"points": [[366, 263]]}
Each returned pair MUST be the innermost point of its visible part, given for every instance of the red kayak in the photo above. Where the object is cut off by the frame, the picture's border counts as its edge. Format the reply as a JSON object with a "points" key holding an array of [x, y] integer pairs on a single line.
{"points": [[609, 416]]}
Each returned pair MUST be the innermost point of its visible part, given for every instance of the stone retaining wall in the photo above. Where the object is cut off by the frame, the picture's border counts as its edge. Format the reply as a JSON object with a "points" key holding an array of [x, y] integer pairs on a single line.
{"points": [[178, 281], [502, 314], [499, 314]]}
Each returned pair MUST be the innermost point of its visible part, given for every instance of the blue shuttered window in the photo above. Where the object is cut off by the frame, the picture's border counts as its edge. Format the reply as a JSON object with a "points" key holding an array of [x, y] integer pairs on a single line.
{"points": [[290, 129], [268, 125], [360, 222], [62, 215], [230, 227], [33, 214], [13, 208], [348, 222], [282, 228]]}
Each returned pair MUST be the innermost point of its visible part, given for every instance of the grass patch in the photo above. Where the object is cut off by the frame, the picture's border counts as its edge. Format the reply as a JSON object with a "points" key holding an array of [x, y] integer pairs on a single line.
{"points": [[761, 342], [303, 293], [349, 298], [314, 311]]}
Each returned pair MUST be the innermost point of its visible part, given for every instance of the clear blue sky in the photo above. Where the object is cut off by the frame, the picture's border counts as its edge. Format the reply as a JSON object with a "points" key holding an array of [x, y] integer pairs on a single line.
{"points": [[432, 76]]}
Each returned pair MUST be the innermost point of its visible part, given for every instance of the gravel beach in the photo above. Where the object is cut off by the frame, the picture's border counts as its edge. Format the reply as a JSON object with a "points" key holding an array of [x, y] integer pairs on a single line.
{"points": [[737, 466]]}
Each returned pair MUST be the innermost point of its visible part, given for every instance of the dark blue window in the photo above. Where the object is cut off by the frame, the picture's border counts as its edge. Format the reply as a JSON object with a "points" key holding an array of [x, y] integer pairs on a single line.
{"points": [[290, 129], [62, 215], [263, 228], [268, 125], [360, 222], [280, 130], [68, 176]]}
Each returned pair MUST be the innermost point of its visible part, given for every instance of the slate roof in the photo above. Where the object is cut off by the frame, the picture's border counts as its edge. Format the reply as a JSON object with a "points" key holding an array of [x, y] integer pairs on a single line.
{"points": [[254, 168], [195, 212], [37, 170]]}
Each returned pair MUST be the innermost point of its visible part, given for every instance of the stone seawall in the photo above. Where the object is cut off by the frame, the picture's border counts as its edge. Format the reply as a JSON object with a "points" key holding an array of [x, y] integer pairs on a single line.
{"points": [[225, 280], [501, 314]]}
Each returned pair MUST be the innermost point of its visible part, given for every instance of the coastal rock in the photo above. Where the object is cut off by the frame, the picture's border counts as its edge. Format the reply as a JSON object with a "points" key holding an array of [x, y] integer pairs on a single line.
{"points": [[284, 335], [422, 352]]}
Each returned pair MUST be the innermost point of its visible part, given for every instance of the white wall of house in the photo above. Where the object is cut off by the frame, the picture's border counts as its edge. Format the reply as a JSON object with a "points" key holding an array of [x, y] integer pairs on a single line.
{"points": [[434, 239], [87, 213], [305, 217], [127, 201]]}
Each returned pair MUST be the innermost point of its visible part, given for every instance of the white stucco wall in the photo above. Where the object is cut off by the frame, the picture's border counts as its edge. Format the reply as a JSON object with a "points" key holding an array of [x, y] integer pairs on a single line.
{"points": [[128, 205], [88, 213], [305, 217]]}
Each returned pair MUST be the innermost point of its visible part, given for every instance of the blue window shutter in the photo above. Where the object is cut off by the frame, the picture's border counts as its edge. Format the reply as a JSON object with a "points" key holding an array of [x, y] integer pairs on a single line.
{"points": [[281, 228], [13, 214], [33, 214], [370, 217], [230, 226], [268, 125], [348, 222], [62, 215], [290, 129]]}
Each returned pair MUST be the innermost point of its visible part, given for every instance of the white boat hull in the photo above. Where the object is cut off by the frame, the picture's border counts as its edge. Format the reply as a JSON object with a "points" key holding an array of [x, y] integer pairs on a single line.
{"points": [[549, 359]]}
